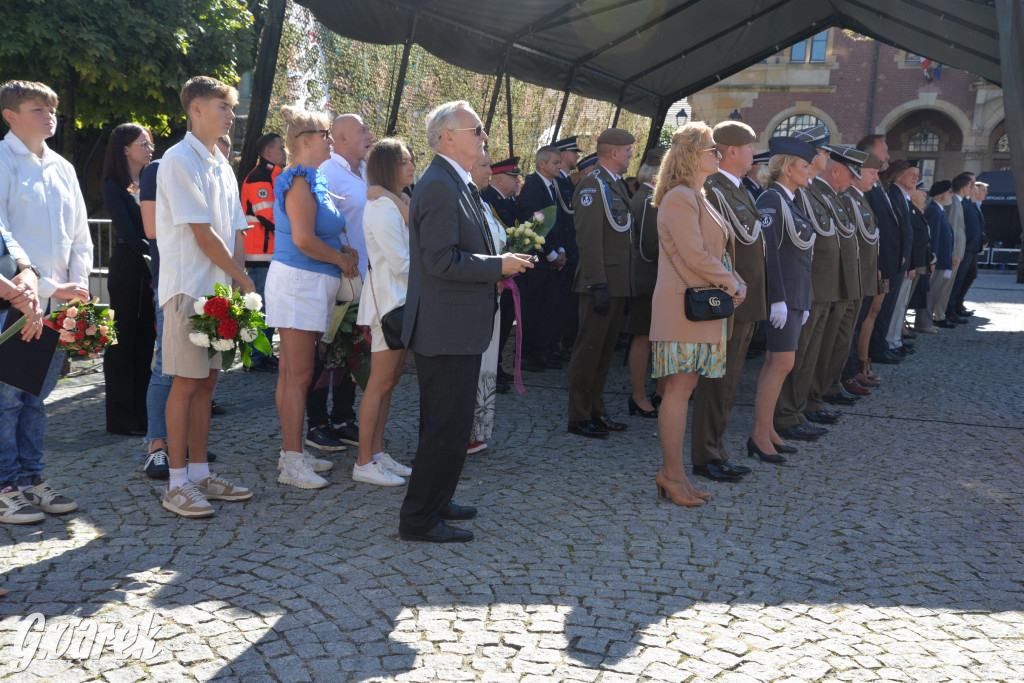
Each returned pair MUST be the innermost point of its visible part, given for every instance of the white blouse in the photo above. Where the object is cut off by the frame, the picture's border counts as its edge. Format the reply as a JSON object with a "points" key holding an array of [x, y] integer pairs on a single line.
{"points": [[387, 250]]}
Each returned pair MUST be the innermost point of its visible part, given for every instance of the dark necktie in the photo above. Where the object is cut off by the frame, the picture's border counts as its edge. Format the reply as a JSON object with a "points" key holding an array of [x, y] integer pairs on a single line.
{"points": [[473, 190]]}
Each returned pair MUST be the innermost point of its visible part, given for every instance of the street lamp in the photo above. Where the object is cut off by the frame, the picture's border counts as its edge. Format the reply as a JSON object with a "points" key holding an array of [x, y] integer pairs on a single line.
{"points": [[735, 115], [681, 114]]}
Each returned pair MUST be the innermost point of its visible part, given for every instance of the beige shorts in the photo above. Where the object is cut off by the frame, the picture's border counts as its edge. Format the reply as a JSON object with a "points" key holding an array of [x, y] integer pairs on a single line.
{"points": [[180, 356]]}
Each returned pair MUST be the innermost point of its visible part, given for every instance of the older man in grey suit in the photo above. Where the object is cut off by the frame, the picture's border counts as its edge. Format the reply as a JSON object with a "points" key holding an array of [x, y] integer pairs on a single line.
{"points": [[449, 312]]}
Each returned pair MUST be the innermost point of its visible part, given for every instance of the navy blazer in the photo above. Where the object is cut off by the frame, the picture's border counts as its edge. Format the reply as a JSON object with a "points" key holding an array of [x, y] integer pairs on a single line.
{"points": [[920, 254], [450, 304], [940, 235], [533, 197], [505, 207], [972, 226], [901, 205], [889, 234], [789, 267]]}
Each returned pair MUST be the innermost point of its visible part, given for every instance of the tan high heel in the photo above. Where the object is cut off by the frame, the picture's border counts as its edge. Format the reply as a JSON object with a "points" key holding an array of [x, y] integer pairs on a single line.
{"points": [[676, 491]]}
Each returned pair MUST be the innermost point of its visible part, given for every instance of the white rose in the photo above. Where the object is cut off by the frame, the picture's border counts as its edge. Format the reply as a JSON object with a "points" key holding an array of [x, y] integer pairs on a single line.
{"points": [[252, 301], [249, 334], [539, 217], [223, 344], [199, 339], [198, 307]]}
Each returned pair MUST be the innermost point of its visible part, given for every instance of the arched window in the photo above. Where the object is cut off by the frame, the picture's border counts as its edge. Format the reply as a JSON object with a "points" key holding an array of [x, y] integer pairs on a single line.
{"points": [[1003, 144], [923, 141], [797, 122]]}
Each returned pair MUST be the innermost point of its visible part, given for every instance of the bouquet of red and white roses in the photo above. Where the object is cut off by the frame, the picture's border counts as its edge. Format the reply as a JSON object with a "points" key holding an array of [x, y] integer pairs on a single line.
{"points": [[86, 329], [228, 322]]}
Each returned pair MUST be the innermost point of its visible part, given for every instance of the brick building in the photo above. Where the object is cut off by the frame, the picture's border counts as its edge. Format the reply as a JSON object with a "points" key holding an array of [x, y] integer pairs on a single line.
{"points": [[945, 119]]}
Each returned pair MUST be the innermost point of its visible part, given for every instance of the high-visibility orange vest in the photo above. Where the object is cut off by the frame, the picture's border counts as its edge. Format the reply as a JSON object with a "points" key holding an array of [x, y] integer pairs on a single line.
{"points": [[258, 204]]}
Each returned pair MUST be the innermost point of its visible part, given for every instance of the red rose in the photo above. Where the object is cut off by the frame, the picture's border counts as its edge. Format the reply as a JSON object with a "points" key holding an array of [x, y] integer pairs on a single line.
{"points": [[227, 329], [218, 307], [81, 352], [357, 347], [79, 336], [104, 340], [82, 324]]}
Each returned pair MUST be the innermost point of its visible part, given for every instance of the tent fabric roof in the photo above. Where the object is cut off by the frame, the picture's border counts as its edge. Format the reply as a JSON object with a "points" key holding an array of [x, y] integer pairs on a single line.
{"points": [[647, 54]]}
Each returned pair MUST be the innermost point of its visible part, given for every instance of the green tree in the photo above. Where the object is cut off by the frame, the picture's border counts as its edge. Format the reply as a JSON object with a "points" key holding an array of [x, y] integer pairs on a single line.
{"points": [[125, 60]]}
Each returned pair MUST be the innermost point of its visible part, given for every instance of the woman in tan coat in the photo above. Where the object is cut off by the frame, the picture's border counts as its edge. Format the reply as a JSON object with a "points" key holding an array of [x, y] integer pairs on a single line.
{"points": [[695, 245]]}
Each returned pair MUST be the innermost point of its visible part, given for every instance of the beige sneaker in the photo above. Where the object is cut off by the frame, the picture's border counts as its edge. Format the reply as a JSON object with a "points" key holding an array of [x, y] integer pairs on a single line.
{"points": [[187, 501], [42, 496], [218, 488]]}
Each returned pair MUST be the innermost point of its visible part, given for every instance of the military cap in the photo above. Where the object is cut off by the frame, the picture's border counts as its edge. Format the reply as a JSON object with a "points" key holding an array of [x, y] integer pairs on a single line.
{"points": [[509, 166], [566, 144], [850, 157], [872, 162], [654, 157], [616, 137], [816, 137], [762, 158], [793, 147], [733, 133], [939, 187], [586, 162]]}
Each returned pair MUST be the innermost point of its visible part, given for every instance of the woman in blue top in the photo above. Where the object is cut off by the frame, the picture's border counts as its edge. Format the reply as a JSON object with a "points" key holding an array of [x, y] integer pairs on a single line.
{"points": [[302, 281]]}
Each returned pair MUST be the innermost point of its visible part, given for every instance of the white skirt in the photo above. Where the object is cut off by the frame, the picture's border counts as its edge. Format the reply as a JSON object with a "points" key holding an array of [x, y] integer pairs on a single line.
{"points": [[299, 299]]}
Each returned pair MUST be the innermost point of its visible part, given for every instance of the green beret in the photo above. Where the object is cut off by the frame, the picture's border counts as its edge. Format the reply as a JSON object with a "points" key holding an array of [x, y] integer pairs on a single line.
{"points": [[872, 162], [734, 134], [616, 137]]}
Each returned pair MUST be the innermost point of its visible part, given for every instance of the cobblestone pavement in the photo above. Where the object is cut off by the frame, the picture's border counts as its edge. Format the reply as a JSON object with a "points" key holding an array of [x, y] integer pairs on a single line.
{"points": [[891, 550]]}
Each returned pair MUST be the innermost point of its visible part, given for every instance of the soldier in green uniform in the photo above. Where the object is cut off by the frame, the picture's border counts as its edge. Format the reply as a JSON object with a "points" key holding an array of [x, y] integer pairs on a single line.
{"points": [[842, 169], [713, 398], [789, 419], [603, 222]]}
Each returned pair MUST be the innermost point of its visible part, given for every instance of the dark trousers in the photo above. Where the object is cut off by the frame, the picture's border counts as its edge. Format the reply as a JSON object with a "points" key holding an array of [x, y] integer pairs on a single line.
{"points": [[879, 345], [508, 316], [713, 399], [592, 356], [835, 349], [126, 364], [965, 277], [541, 305], [447, 402], [344, 395], [570, 307]]}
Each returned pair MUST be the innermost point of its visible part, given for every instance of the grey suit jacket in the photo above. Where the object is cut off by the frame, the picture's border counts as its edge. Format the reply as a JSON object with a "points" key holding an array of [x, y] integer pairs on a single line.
{"points": [[449, 308]]}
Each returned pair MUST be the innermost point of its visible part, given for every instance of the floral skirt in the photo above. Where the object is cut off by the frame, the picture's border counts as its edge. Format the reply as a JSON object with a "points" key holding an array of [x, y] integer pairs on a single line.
{"points": [[702, 358]]}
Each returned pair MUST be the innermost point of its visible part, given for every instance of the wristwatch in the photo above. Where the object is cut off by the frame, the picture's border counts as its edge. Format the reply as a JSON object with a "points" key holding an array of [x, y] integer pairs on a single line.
{"points": [[35, 270]]}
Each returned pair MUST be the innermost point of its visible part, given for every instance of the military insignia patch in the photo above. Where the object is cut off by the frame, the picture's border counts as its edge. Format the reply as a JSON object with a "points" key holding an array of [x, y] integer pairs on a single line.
{"points": [[586, 199], [262, 193], [766, 220]]}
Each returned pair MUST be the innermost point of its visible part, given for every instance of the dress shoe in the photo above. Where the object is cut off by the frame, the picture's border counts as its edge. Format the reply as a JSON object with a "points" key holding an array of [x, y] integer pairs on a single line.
{"points": [[128, 431], [715, 471], [945, 324], [754, 451], [813, 429], [965, 312], [910, 335], [532, 365], [502, 386], [907, 344], [502, 375], [609, 425], [587, 428], [962, 321], [634, 408], [887, 358], [785, 448], [216, 409], [451, 512], [564, 355], [953, 318], [821, 417], [553, 363], [796, 432], [840, 399], [856, 388], [902, 351], [738, 469], [866, 381], [829, 411], [676, 491], [441, 533]]}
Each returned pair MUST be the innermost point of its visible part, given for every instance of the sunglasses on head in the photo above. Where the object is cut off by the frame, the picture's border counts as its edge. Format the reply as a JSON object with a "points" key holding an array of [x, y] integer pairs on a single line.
{"points": [[324, 133]]}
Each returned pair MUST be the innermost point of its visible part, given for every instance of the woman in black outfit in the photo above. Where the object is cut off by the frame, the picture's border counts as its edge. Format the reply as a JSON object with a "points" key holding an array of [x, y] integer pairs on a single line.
{"points": [[126, 365]]}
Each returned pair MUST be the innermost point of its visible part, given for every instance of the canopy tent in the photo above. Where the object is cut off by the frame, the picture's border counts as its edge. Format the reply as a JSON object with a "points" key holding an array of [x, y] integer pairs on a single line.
{"points": [[1000, 187]]}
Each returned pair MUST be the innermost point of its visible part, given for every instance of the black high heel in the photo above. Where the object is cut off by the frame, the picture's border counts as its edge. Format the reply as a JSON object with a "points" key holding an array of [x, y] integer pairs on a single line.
{"points": [[634, 408], [784, 448], [655, 399], [753, 450]]}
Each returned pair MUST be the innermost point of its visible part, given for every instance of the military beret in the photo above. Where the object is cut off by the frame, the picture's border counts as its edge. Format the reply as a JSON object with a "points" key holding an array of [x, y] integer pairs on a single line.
{"points": [[734, 134], [762, 157], [654, 156], [566, 144], [872, 162], [793, 147], [587, 161], [939, 187], [616, 137], [509, 166], [817, 136]]}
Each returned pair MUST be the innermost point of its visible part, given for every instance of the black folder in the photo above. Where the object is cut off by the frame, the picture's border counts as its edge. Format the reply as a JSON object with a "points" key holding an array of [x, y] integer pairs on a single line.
{"points": [[23, 365]]}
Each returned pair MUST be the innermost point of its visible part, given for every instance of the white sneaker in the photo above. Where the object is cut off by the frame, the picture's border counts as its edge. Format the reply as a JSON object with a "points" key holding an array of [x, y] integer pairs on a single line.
{"points": [[316, 464], [15, 509], [297, 471], [375, 474], [389, 463], [187, 501]]}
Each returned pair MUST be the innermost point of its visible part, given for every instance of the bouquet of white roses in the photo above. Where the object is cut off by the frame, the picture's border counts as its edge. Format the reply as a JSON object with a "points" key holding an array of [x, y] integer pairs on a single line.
{"points": [[530, 235], [229, 321]]}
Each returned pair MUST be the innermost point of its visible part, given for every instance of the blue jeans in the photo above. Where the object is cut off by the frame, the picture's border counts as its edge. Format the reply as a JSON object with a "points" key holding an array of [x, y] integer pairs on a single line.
{"points": [[159, 387], [259, 280], [23, 425]]}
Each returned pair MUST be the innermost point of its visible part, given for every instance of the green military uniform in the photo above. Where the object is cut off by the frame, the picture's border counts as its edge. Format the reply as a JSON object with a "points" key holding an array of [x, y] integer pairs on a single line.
{"points": [[604, 248], [713, 398], [863, 217], [838, 334]]}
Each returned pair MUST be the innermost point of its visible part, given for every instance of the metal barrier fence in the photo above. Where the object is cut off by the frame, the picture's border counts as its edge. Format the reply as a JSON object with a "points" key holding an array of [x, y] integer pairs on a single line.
{"points": [[102, 232]]}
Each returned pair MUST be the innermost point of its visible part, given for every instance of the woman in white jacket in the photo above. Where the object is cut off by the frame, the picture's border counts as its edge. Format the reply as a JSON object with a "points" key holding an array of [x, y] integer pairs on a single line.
{"points": [[389, 168]]}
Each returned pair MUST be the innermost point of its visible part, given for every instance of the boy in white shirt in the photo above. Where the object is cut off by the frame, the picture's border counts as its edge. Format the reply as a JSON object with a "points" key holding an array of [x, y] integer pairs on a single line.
{"points": [[41, 205], [199, 224]]}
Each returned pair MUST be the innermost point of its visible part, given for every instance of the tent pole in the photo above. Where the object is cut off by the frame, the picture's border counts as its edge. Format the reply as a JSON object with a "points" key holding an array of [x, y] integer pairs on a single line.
{"points": [[657, 123], [561, 107], [618, 106], [508, 104], [400, 81], [262, 85], [1010, 19], [497, 88]]}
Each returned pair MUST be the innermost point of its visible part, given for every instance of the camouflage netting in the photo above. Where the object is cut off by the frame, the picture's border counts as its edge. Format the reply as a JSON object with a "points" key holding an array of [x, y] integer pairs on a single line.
{"points": [[321, 70]]}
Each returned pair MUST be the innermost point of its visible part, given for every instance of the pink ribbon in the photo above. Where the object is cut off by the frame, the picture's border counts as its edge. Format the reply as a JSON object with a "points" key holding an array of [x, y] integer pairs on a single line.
{"points": [[517, 371]]}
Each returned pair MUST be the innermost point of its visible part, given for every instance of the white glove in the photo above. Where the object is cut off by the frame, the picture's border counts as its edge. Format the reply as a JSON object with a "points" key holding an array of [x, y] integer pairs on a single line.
{"points": [[778, 315], [807, 314], [946, 274]]}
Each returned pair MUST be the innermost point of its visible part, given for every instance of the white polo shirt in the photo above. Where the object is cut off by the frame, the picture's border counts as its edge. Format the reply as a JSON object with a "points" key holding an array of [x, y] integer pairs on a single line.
{"points": [[41, 205], [194, 186]]}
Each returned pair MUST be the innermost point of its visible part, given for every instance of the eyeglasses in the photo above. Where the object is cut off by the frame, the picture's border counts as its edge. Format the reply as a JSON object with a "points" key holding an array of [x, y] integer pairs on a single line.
{"points": [[718, 154], [478, 130], [146, 145], [324, 133]]}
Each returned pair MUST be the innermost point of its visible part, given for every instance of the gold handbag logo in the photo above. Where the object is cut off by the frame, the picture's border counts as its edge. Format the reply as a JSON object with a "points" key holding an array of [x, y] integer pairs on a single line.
{"points": [[715, 301]]}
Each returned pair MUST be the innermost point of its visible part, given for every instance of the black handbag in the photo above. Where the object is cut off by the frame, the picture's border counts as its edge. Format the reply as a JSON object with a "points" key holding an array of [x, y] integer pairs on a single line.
{"points": [[8, 268], [390, 322], [703, 303]]}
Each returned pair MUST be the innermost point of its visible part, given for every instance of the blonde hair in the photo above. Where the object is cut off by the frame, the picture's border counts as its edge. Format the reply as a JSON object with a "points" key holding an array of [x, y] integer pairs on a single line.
{"points": [[682, 161], [13, 93], [297, 120], [773, 171], [206, 88]]}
